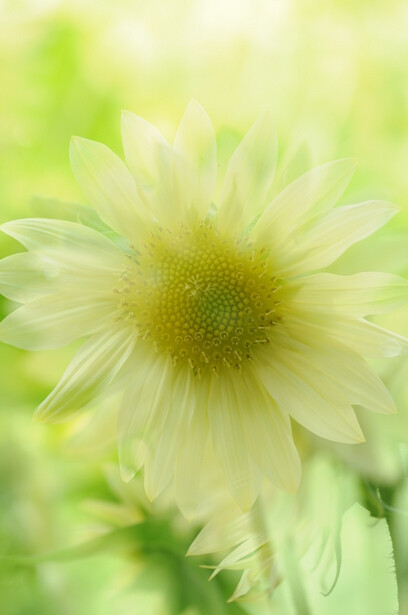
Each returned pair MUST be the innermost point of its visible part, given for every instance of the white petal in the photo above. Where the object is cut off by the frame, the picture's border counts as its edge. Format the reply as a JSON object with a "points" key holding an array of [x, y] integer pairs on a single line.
{"points": [[346, 371], [60, 237], [22, 277], [311, 401], [92, 369], [365, 338], [228, 436], [311, 194], [245, 556], [190, 457], [354, 295], [56, 320], [149, 157], [249, 175], [268, 434], [195, 162], [331, 236], [224, 531], [64, 257], [143, 409], [109, 186], [159, 468]]}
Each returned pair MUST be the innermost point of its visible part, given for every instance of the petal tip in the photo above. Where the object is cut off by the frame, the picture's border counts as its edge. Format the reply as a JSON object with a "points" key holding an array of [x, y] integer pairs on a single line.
{"points": [[39, 415], [128, 116], [4, 227], [126, 473]]}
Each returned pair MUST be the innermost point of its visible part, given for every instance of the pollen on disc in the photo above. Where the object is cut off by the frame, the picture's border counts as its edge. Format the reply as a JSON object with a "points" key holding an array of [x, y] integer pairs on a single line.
{"points": [[204, 299]]}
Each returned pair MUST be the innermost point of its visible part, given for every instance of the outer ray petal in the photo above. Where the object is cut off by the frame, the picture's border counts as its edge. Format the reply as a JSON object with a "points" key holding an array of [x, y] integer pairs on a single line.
{"points": [[27, 276], [320, 411], [92, 369], [347, 371], [249, 175], [60, 237], [355, 295], [63, 257], [228, 436], [23, 277], [268, 434], [223, 531], [331, 236], [365, 338], [194, 162], [159, 468], [149, 157], [109, 186], [190, 458], [56, 320], [311, 194], [143, 409]]}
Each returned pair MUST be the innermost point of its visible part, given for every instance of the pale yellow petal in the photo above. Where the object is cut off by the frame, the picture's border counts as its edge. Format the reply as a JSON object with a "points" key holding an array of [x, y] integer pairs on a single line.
{"points": [[249, 175], [149, 157], [23, 277], [268, 434], [190, 458], [55, 320], [311, 402], [228, 436], [159, 468], [110, 187], [194, 162], [330, 237], [143, 409], [63, 257], [355, 295], [92, 370], [223, 531], [346, 371], [365, 338], [311, 194], [59, 237]]}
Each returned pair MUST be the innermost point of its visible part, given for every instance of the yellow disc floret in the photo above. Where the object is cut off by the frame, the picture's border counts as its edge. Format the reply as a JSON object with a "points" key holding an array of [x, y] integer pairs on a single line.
{"points": [[204, 299]]}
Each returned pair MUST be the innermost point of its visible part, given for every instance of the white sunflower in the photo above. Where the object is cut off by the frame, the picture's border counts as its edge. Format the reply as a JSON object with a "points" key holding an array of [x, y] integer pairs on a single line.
{"points": [[207, 313]]}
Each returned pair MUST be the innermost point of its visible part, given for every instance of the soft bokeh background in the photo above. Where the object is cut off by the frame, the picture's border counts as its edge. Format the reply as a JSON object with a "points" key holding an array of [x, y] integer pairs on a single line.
{"points": [[335, 75]]}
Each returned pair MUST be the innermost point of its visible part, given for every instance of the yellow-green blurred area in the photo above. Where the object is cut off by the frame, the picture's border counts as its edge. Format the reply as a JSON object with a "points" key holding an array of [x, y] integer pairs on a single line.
{"points": [[335, 75]]}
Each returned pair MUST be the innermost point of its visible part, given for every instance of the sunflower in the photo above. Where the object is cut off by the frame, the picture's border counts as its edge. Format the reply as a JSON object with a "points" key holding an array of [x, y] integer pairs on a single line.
{"points": [[206, 311]]}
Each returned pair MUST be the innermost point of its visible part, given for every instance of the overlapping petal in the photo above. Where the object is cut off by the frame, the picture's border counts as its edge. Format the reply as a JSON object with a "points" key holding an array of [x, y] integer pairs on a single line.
{"points": [[190, 459], [110, 187], [249, 175], [159, 467], [149, 157], [91, 371], [23, 277], [143, 409], [312, 194], [228, 436], [330, 236], [355, 295], [194, 163], [55, 320], [312, 402]]}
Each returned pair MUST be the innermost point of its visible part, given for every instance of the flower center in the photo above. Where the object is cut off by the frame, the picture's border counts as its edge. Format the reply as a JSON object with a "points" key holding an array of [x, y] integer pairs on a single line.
{"points": [[206, 300]]}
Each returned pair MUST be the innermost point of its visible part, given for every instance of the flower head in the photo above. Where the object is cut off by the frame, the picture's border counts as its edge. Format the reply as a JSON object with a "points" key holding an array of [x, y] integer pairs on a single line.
{"points": [[205, 309]]}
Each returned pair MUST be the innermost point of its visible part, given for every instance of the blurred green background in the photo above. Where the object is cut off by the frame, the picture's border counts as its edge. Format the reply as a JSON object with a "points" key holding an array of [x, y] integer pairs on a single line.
{"points": [[334, 74]]}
